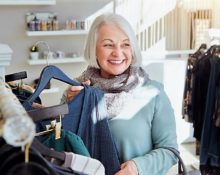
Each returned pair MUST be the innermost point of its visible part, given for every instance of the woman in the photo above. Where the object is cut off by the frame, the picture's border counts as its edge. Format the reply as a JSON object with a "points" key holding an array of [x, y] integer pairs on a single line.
{"points": [[141, 118]]}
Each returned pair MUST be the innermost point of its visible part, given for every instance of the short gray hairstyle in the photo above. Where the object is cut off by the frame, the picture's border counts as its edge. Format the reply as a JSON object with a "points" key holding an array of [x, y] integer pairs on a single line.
{"points": [[122, 23]]}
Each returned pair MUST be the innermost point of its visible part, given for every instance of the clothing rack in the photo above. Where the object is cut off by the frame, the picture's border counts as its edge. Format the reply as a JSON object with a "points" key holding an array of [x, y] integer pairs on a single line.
{"points": [[18, 128], [67, 145], [202, 106]]}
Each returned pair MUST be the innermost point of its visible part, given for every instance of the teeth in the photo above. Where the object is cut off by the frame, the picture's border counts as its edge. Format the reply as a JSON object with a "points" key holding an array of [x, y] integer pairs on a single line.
{"points": [[116, 61]]}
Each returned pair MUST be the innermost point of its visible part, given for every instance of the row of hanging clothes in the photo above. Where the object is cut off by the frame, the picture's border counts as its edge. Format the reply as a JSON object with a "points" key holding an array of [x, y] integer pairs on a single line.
{"points": [[70, 138], [201, 105]]}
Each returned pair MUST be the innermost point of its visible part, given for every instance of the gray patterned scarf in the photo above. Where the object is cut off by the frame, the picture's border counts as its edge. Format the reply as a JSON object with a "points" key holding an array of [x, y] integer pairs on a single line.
{"points": [[118, 88]]}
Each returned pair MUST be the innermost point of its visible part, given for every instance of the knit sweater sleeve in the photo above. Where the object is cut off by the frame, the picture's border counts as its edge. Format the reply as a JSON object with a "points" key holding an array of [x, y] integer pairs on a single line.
{"points": [[159, 161]]}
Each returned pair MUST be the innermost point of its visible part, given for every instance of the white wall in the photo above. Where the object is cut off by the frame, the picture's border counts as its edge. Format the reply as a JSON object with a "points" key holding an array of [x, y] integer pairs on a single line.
{"points": [[13, 27], [171, 73], [216, 14]]}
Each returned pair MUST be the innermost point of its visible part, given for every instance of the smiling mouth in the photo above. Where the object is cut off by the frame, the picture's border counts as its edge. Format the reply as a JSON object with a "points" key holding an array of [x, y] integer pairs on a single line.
{"points": [[115, 61]]}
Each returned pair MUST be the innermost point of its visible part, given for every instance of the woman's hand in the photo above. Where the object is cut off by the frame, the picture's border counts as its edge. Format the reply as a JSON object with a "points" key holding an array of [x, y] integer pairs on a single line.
{"points": [[128, 168], [72, 91]]}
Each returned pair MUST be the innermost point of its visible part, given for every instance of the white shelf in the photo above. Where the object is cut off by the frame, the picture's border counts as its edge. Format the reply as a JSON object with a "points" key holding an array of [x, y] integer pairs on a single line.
{"points": [[51, 90], [56, 61], [57, 33], [27, 2]]}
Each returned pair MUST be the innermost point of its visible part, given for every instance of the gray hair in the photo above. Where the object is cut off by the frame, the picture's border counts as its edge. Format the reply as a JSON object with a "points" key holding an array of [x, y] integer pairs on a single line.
{"points": [[122, 23]]}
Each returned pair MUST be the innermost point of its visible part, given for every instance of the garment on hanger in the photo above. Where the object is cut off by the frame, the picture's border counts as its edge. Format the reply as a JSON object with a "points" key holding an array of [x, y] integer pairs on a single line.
{"points": [[83, 164], [204, 109], [48, 73], [187, 107], [199, 91], [21, 90], [210, 152], [69, 142], [87, 118], [12, 162]]}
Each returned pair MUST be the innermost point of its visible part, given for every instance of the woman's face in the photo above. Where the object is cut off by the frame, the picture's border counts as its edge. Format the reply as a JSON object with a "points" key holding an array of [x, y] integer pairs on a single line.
{"points": [[113, 50]]}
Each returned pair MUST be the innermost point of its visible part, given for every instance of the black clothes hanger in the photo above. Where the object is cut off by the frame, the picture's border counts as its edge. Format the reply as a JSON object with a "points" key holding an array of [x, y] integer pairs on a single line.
{"points": [[45, 151], [15, 76], [47, 74], [52, 112], [7, 150], [12, 162]]}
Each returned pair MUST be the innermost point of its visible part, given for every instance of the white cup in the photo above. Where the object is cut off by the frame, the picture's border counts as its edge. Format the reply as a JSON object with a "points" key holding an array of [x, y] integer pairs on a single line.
{"points": [[34, 55]]}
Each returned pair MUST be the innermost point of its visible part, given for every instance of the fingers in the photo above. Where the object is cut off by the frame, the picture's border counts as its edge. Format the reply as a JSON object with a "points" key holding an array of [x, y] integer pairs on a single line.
{"points": [[88, 82], [123, 166], [75, 88], [72, 91], [128, 168]]}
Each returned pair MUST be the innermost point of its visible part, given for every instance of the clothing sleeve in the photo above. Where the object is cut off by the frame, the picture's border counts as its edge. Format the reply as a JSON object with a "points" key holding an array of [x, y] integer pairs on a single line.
{"points": [[163, 131]]}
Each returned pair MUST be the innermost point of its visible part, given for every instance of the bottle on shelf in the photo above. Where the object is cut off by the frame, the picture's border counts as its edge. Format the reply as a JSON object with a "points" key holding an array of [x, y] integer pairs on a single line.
{"points": [[55, 23]]}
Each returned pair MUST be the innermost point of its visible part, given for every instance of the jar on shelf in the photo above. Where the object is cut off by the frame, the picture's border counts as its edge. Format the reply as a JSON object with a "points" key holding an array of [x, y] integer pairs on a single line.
{"points": [[49, 25], [37, 24], [44, 25], [55, 23]]}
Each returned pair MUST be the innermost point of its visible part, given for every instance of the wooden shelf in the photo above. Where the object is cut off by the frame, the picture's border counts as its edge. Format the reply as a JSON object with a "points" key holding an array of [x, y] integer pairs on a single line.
{"points": [[27, 2], [57, 33], [56, 61]]}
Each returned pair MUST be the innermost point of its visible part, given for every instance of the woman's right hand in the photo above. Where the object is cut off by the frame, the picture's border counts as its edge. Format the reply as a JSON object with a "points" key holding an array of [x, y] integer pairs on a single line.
{"points": [[73, 91]]}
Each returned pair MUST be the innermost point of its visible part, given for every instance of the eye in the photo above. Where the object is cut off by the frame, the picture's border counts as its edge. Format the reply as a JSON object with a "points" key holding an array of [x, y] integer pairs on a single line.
{"points": [[126, 45], [108, 45]]}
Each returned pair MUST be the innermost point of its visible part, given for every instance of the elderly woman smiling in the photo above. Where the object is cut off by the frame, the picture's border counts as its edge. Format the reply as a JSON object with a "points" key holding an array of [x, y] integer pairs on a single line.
{"points": [[141, 118]]}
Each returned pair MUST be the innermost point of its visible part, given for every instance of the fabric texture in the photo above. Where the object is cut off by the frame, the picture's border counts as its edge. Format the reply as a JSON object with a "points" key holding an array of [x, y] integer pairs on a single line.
{"points": [[69, 142], [118, 88], [210, 152], [83, 164], [143, 123], [146, 122], [199, 91], [88, 119]]}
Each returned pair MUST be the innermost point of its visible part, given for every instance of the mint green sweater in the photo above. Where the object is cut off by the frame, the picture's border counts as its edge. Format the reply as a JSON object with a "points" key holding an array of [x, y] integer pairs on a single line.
{"points": [[146, 123]]}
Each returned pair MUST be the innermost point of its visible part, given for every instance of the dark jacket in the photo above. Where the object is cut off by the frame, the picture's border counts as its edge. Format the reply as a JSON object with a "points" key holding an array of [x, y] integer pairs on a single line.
{"points": [[88, 119]]}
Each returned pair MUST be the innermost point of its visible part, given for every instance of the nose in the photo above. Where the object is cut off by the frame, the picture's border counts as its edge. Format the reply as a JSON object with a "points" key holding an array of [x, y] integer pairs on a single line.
{"points": [[117, 51]]}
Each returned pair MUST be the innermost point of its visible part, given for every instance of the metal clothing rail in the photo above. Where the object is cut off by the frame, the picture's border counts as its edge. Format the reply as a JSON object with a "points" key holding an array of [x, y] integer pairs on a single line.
{"points": [[17, 127]]}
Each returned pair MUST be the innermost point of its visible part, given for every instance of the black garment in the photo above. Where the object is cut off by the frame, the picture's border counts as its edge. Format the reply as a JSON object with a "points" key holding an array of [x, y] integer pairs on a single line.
{"points": [[12, 162], [199, 93], [209, 170], [217, 104], [187, 107], [210, 150], [187, 96]]}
